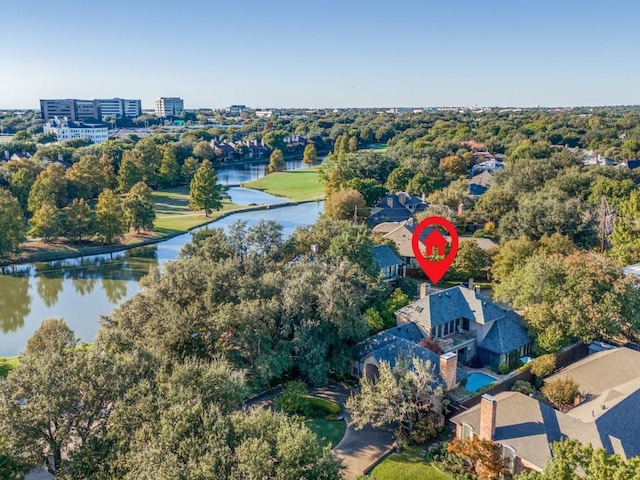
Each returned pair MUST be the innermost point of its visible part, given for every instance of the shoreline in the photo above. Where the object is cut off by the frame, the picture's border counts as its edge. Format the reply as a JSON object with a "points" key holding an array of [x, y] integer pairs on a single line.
{"points": [[112, 248]]}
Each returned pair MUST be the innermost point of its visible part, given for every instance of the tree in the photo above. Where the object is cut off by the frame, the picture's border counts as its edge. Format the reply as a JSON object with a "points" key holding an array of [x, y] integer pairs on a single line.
{"points": [[455, 193], [397, 395], [45, 223], [275, 139], [276, 161], [562, 392], [470, 262], [353, 144], [543, 366], [626, 230], [399, 179], [370, 189], [21, 182], [396, 301], [203, 151], [139, 209], [169, 167], [50, 187], [310, 157], [355, 245], [483, 455], [189, 169], [12, 231], [454, 165], [86, 177], [511, 255], [205, 191], [110, 221], [129, 173], [78, 221], [346, 205]]}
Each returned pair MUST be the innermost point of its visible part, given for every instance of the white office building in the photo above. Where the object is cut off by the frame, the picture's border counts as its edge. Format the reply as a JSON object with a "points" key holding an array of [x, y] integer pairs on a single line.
{"points": [[169, 107], [66, 130], [120, 107]]}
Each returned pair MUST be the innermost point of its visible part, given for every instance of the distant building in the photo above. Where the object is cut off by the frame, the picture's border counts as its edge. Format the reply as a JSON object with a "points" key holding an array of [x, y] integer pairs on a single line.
{"points": [[236, 110], [264, 113], [169, 107], [66, 130], [120, 107], [83, 110]]}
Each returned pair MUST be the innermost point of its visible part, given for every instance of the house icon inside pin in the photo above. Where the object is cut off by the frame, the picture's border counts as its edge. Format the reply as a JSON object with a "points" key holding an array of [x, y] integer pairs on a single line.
{"points": [[435, 243]]}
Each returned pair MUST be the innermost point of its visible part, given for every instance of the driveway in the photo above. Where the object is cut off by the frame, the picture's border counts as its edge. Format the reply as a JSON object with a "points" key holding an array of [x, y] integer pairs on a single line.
{"points": [[358, 448]]}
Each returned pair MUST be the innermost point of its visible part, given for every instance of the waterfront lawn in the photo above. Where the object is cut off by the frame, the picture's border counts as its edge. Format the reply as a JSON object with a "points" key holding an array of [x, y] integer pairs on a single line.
{"points": [[173, 214], [297, 185], [329, 432], [7, 364], [407, 465]]}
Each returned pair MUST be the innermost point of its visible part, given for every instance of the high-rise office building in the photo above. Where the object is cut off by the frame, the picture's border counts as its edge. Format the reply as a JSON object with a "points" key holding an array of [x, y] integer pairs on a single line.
{"points": [[169, 107], [77, 110]]}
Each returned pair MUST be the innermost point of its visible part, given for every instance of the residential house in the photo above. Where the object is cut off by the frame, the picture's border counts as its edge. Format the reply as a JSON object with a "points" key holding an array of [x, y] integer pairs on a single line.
{"points": [[632, 164], [20, 156], [470, 325], [401, 233], [480, 183], [391, 266], [396, 207], [608, 415], [490, 165], [591, 159], [402, 342]]}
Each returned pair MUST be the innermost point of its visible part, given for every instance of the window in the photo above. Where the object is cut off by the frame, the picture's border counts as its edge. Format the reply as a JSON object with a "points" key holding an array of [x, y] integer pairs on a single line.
{"points": [[509, 455], [466, 431]]}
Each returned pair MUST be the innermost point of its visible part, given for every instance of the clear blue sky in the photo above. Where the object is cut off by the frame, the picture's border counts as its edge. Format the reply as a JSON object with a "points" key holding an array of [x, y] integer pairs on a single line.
{"points": [[330, 53]]}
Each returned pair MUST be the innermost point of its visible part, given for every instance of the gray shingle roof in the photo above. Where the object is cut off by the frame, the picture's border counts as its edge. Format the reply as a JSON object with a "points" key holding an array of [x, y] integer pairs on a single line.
{"points": [[385, 257], [409, 332], [457, 302], [504, 336]]}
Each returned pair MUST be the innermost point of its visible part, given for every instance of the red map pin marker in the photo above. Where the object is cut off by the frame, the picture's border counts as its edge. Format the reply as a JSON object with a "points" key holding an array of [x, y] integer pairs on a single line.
{"points": [[434, 244]]}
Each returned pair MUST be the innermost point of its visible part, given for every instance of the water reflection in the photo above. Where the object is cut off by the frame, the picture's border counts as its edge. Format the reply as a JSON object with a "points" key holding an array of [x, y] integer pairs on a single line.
{"points": [[15, 302]]}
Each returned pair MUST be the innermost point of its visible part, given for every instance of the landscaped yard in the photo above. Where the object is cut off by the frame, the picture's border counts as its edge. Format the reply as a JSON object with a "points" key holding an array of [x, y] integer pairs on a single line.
{"points": [[301, 184], [173, 214], [407, 465], [328, 431]]}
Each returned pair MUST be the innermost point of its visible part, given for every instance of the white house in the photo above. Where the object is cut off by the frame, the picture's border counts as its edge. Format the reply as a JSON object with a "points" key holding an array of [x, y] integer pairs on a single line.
{"points": [[66, 130]]}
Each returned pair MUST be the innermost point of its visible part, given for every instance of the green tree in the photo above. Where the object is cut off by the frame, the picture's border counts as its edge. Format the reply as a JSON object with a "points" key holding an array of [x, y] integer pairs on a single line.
{"points": [[483, 457], [625, 238], [562, 392], [511, 255], [203, 151], [50, 187], [12, 227], [355, 245], [275, 140], [470, 262], [205, 191], [188, 170], [310, 156], [370, 189], [353, 144], [346, 205], [139, 209], [399, 179], [110, 222], [45, 223], [129, 173], [78, 221], [276, 161], [396, 396], [169, 167], [86, 177], [543, 366], [21, 182]]}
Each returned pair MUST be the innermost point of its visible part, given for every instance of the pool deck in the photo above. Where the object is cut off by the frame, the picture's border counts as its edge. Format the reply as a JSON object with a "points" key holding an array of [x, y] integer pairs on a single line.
{"points": [[461, 394]]}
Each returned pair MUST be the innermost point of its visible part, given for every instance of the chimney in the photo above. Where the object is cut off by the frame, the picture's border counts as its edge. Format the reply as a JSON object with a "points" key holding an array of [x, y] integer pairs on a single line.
{"points": [[460, 208], [488, 406], [448, 367], [314, 250], [470, 284], [424, 289]]}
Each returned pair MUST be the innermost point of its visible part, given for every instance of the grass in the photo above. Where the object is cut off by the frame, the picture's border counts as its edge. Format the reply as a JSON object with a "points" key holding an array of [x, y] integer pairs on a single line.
{"points": [[329, 432], [297, 185], [7, 364], [407, 465], [376, 148]]}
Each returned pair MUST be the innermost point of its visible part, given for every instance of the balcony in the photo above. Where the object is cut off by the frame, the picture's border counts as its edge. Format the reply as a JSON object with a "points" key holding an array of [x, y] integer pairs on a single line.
{"points": [[455, 341]]}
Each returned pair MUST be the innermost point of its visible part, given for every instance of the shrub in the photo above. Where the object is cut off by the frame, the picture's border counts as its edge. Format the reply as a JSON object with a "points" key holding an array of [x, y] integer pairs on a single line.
{"points": [[431, 344], [503, 368], [294, 398], [321, 408], [522, 387], [427, 426], [562, 392], [543, 366]]}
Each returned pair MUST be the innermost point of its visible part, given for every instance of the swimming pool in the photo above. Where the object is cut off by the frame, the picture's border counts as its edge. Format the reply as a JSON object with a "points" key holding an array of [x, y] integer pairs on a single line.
{"points": [[477, 380]]}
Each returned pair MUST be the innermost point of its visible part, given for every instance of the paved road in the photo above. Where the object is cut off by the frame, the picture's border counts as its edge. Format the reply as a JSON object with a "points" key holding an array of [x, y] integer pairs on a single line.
{"points": [[358, 448]]}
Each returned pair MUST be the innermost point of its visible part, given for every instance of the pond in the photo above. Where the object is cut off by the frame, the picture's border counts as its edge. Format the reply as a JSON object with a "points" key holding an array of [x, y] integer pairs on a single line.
{"points": [[247, 172], [82, 289]]}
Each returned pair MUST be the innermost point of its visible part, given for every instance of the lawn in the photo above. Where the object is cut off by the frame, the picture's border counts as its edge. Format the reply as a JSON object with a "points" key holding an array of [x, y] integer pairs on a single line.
{"points": [[376, 148], [173, 214], [407, 465], [7, 364], [297, 185], [328, 431]]}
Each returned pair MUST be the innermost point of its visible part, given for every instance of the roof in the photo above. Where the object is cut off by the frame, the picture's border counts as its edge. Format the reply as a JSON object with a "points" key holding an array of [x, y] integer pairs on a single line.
{"points": [[456, 302], [505, 336], [603, 371], [384, 214], [385, 257], [484, 179], [633, 164], [394, 208], [409, 332], [633, 270], [483, 243], [529, 426]]}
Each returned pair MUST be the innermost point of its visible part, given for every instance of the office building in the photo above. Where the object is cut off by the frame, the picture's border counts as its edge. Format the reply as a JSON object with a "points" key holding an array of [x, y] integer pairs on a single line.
{"points": [[167, 107], [67, 129], [120, 107]]}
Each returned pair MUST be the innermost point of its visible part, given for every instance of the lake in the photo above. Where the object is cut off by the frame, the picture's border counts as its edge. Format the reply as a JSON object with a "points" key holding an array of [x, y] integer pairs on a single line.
{"points": [[82, 289]]}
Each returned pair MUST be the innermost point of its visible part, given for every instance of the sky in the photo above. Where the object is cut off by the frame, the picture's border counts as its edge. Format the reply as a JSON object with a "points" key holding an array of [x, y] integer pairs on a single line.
{"points": [[322, 54]]}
